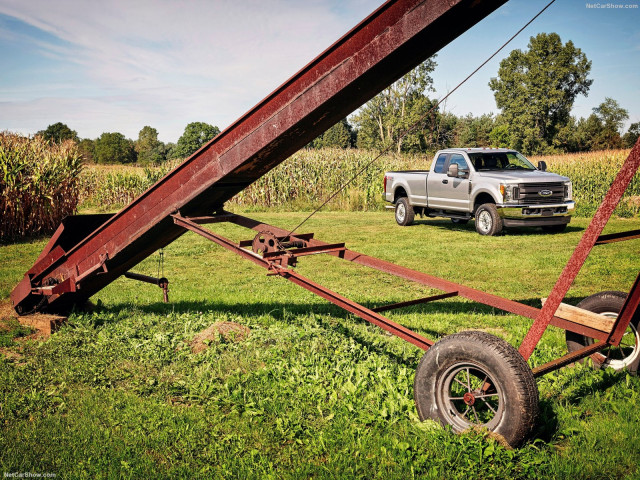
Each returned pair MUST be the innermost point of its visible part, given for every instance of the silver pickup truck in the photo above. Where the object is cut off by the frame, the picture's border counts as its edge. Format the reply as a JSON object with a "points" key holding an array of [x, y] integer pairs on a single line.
{"points": [[499, 187]]}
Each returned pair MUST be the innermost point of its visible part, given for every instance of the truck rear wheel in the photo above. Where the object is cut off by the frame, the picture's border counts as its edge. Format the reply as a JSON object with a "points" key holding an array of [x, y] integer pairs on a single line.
{"points": [[488, 222], [404, 212], [474, 379]]}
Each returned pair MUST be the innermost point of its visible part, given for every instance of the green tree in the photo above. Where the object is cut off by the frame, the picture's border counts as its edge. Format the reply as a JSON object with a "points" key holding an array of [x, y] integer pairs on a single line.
{"points": [[86, 148], [195, 135], [612, 117], [58, 133], [536, 89], [150, 150], [341, 135], [631, 137], [474, 131], [113, 148], [383, 119]]}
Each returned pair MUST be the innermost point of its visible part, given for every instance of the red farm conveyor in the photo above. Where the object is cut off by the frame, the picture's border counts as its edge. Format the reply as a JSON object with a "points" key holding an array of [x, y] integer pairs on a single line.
{"points": [[464, 380], [90, 251]]}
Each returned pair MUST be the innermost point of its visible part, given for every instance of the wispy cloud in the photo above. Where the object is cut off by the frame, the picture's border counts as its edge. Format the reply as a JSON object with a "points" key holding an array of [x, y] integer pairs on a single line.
{"points": [[193, 60]]}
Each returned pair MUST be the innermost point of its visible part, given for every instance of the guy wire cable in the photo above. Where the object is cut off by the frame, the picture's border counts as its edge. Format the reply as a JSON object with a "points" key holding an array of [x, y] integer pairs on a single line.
{"points": [[418, 122]]}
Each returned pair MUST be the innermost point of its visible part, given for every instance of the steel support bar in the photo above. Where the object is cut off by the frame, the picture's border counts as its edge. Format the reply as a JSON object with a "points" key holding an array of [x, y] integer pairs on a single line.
{"points": [[163, 283], [627, 314], [618, 237], [433, 282], [418, 301], [568, 359], [335, 298], [580, 254], [357, 309]]}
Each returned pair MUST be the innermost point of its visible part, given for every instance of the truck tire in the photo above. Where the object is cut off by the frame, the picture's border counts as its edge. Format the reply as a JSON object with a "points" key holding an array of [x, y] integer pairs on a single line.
{"points": [[474, 379], [404, 212], [488, 222], [627, 354]]}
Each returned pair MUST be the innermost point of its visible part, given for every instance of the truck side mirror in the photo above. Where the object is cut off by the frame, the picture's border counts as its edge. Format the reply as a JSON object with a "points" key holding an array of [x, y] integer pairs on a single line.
{"points": [[542, 165], [453, 170]]}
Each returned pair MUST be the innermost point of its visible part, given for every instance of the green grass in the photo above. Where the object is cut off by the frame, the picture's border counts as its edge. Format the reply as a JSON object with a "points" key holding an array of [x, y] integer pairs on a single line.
{"points": [[313, 392]]}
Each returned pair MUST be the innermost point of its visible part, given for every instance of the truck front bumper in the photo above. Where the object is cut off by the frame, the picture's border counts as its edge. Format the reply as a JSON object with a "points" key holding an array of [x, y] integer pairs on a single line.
{"points": [[536, 215]]}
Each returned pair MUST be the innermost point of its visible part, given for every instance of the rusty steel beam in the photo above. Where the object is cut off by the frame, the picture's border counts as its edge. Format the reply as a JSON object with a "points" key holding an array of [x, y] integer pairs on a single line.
{"points": [[580, 254], [568, 359], [387, 44], [418, 301]]}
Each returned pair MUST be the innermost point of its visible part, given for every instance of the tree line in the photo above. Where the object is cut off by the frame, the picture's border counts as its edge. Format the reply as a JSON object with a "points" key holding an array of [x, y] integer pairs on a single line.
{"points": [[534, 90], [114, 147]]}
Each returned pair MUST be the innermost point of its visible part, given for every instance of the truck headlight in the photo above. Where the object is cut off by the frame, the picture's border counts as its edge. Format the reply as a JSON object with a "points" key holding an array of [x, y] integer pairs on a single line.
{"points": [[568, 191], [509, 193]]}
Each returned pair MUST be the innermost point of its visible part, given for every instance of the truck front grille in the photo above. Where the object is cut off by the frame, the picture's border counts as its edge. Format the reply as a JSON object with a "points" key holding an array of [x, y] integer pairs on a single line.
{"points": [[541, 193]]}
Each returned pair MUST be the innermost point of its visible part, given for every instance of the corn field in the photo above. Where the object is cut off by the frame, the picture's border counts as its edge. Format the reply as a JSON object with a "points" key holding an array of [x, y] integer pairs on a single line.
{"points": [[592, 173], [305, 180], [38, 184]]}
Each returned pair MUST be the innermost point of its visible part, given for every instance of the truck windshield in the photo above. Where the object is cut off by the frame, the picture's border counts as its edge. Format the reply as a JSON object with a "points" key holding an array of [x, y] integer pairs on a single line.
{"points": [[500, 161]]}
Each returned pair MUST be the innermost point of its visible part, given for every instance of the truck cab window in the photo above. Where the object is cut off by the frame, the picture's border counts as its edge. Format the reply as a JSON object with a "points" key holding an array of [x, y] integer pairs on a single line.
{"points": [[460, 161], [439, 166]]}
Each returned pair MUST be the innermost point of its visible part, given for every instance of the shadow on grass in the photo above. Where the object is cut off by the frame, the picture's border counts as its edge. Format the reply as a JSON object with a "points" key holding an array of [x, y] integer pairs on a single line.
{"points": [[470, 227], [574, 387]]}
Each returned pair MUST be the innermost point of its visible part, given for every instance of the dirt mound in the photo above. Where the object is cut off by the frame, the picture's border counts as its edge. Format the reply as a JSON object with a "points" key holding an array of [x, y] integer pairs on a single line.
{"points": [[228, 331], [45, 324]]}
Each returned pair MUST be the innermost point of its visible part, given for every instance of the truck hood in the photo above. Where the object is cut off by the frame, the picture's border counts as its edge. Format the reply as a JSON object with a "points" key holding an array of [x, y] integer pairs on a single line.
{"points": [[522, 176]]}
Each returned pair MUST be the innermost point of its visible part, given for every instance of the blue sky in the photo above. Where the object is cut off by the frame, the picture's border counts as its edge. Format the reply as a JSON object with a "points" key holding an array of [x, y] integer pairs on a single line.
{"points": [[120, 65]]}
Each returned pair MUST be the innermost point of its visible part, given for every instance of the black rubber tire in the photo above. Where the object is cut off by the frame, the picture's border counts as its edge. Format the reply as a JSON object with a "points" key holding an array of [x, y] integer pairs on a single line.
{"points": [[488, 222], [404, 212], [460, 221], [627, 356], [513, 393], [554, 228]]}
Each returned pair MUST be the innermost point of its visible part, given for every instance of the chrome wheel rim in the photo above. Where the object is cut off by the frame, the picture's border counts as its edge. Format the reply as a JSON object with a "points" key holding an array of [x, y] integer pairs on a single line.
{"points": [[401, 212], [485, 221]]}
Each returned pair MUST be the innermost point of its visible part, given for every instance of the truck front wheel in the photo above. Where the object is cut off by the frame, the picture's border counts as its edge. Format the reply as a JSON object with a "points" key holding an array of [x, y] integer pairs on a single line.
{"points": [[488, 222], [404, 212]]}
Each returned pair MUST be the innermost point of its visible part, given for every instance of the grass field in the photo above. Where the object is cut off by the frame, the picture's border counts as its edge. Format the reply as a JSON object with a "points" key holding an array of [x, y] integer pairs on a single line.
{"points": [[312, 392]]}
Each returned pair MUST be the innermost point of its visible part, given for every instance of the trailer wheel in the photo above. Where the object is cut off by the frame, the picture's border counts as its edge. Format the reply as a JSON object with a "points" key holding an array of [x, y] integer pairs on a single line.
{"points": [[624, 356], [404, 212], [488, 222], [475, 379]]}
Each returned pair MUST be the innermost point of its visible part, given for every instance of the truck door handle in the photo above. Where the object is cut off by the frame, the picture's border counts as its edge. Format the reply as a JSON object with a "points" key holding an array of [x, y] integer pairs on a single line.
{"points": [[445, 181]]}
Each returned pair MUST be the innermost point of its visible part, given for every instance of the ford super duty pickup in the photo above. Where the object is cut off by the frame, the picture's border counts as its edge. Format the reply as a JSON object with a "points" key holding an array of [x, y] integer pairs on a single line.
{"points": [[497, 187]]}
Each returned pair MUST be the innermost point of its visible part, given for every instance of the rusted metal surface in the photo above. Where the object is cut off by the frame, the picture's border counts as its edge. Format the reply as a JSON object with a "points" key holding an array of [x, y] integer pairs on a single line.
{"points": [[162, 282], [580, 254], [628, 313], [618, 237], [390, 42], [418, 301], [569, 359]]}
